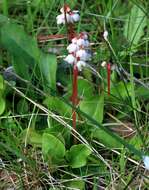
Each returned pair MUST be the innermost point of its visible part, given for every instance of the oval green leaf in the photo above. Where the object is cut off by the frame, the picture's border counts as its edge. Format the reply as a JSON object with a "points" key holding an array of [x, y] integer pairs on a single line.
{"points": [[77, 156], [52, 147]]}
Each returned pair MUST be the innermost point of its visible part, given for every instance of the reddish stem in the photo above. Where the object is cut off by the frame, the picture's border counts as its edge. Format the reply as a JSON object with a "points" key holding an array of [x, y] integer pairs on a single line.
{"points": [[108, 76], [74, 98], [71, 32], [75, 86]]}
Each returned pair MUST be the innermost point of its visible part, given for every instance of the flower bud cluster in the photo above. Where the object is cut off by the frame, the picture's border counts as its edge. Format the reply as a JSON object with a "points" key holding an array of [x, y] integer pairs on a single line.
{"points": [[67, 15], [78, 51]]}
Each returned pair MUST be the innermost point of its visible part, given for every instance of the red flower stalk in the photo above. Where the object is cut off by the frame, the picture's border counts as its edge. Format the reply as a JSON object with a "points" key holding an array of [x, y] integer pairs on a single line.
{"points": [[74, 98], [108, 76], [71, 32]]}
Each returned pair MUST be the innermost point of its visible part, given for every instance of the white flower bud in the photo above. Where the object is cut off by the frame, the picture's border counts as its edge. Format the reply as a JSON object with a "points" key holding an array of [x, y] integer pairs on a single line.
{"points": [[70, 59], [80, 64], [72, 48], [105, 35], [146, 162], [104, 63]]}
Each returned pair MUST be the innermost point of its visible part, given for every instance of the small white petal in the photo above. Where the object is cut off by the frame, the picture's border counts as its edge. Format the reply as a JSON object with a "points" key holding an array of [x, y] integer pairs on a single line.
{"points": [[146, 162], [80, 42], [86, 43], [83, 55], [75, 17], [80, 53], [72, 48], [70, 59], [69, 18], [105, 35], [80, 64], [60, 19], [74, 40]]}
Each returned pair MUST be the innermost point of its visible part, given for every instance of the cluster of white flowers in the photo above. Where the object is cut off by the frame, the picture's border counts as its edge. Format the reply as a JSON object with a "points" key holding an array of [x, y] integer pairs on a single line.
{"points": [[77, 51], [67, 15], [78, 54]]}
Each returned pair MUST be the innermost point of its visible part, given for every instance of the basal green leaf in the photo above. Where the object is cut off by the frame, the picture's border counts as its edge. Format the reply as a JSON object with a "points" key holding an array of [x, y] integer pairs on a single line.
{"points": [[77, 155], [22, 47], [48, 67], [32, 137], [54, 103], [52, 147], [28, 60], [94, 107], [16, 41]]}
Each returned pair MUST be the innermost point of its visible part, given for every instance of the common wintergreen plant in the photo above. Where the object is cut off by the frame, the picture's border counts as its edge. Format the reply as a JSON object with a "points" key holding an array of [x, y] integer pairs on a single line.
{"points": [[109, 102]]}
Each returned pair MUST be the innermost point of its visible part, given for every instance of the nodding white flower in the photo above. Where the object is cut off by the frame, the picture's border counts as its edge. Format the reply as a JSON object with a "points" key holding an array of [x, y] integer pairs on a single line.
{"points": [[104, 63], [72, 48], [105, 35], [61, 18], [70, 59], [81, 64], [71, 16], [146, 162], [83, 55], [81, 42], [75, 17]]}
